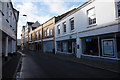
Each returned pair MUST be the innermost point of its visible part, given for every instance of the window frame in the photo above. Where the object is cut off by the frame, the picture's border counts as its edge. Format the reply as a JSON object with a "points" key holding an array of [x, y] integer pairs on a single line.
{"points": [[64, 27], [58, 29], [39, 34], [51, 32], [91, 21], [47, 32], [118, 13], [72, 19]]}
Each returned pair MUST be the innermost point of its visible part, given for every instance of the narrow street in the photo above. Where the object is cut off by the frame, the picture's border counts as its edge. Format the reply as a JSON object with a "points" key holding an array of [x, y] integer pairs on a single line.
{"points": [[39, 65]]}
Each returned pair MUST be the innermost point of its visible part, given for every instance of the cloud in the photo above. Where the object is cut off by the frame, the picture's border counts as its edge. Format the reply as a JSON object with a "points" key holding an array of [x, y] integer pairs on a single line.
{"points": [[32, 11], [40, 11]]}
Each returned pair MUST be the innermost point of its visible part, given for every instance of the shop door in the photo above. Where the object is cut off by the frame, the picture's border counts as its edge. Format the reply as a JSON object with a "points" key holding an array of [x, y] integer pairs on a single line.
{"points": [[108, 47], [73, 47]]}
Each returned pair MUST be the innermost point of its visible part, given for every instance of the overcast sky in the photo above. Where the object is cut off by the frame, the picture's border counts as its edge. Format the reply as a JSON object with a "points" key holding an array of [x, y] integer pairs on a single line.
{"points": [[42, 10]]}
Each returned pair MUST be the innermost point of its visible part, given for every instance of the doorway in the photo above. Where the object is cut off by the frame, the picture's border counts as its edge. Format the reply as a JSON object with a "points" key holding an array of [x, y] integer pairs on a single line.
{"points": [[73, 47]]}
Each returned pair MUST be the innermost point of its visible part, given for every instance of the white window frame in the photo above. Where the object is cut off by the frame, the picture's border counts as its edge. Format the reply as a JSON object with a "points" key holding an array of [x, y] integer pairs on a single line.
{"points": [[72, 19], [118, 4], [64, 27], [51, 32], [47, 31], [58, 29], [45, 34], [90, 16]]}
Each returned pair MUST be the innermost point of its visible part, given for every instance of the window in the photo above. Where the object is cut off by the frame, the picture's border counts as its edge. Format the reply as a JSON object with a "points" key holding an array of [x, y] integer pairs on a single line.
{"points": [[7, 10], [36, 35], [118, 4], [72, 23], [91, 16], [58, 46], [31, 37], [51, 32], [47, 31], [39, 34], [64, 26], [58, 28]]}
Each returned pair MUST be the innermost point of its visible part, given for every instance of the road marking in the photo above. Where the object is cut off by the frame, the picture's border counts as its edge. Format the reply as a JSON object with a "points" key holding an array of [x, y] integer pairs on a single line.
{"points": [[21, 53]]}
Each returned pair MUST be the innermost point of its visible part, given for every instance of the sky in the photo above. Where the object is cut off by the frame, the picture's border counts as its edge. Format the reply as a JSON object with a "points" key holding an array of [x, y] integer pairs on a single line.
{"points": [[42, 10]]}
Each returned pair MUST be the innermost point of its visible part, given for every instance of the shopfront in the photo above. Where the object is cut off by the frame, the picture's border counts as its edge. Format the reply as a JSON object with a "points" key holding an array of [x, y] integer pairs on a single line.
{"points": [[48, 46], [66, 46], [107, 45]]}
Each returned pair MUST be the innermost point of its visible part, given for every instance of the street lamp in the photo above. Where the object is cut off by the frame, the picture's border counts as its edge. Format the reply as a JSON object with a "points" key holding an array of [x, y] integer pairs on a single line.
{"points": [[24, 15]]}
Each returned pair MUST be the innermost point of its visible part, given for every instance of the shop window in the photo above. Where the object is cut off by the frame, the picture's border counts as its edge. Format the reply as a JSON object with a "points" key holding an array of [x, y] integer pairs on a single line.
{"points": [[58, 46], [107, 45], [64, 46], [91, 46]]}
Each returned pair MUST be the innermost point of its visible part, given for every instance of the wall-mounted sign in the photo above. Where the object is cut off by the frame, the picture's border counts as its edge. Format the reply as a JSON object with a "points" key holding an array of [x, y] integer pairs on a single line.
{"points": [[70, 36], [88, 40]]}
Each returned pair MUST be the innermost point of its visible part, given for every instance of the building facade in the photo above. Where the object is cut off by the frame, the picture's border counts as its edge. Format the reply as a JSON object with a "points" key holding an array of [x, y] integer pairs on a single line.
{"points": [[48, 35], [35, 37], [42, 38], [9, 19], [91, 30], [30, 26]]}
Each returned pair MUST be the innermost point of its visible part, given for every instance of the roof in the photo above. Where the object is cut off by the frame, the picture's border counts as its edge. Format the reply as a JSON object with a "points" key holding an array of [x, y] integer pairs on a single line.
{"points": [[73, 11], [30, 23], [36, 24], [63, 15]]}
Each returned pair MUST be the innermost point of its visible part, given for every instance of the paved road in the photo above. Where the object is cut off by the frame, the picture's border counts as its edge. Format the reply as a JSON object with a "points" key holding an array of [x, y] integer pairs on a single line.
{"points": [[36, 65]]}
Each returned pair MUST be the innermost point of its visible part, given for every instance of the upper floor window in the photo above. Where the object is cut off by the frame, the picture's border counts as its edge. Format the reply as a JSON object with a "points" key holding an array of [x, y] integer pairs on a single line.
{"points": [[58, 28], [39, 34], [91, 16], [30, 36], [51, 32], [64, 26], [36, 35], [72, 23], [47, 31], [118, 5], [7, 10]]}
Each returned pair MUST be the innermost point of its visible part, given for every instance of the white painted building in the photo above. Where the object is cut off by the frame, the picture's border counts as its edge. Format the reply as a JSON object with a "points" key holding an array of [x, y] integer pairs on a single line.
{"points": [[8, 19], [92, 30]]}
